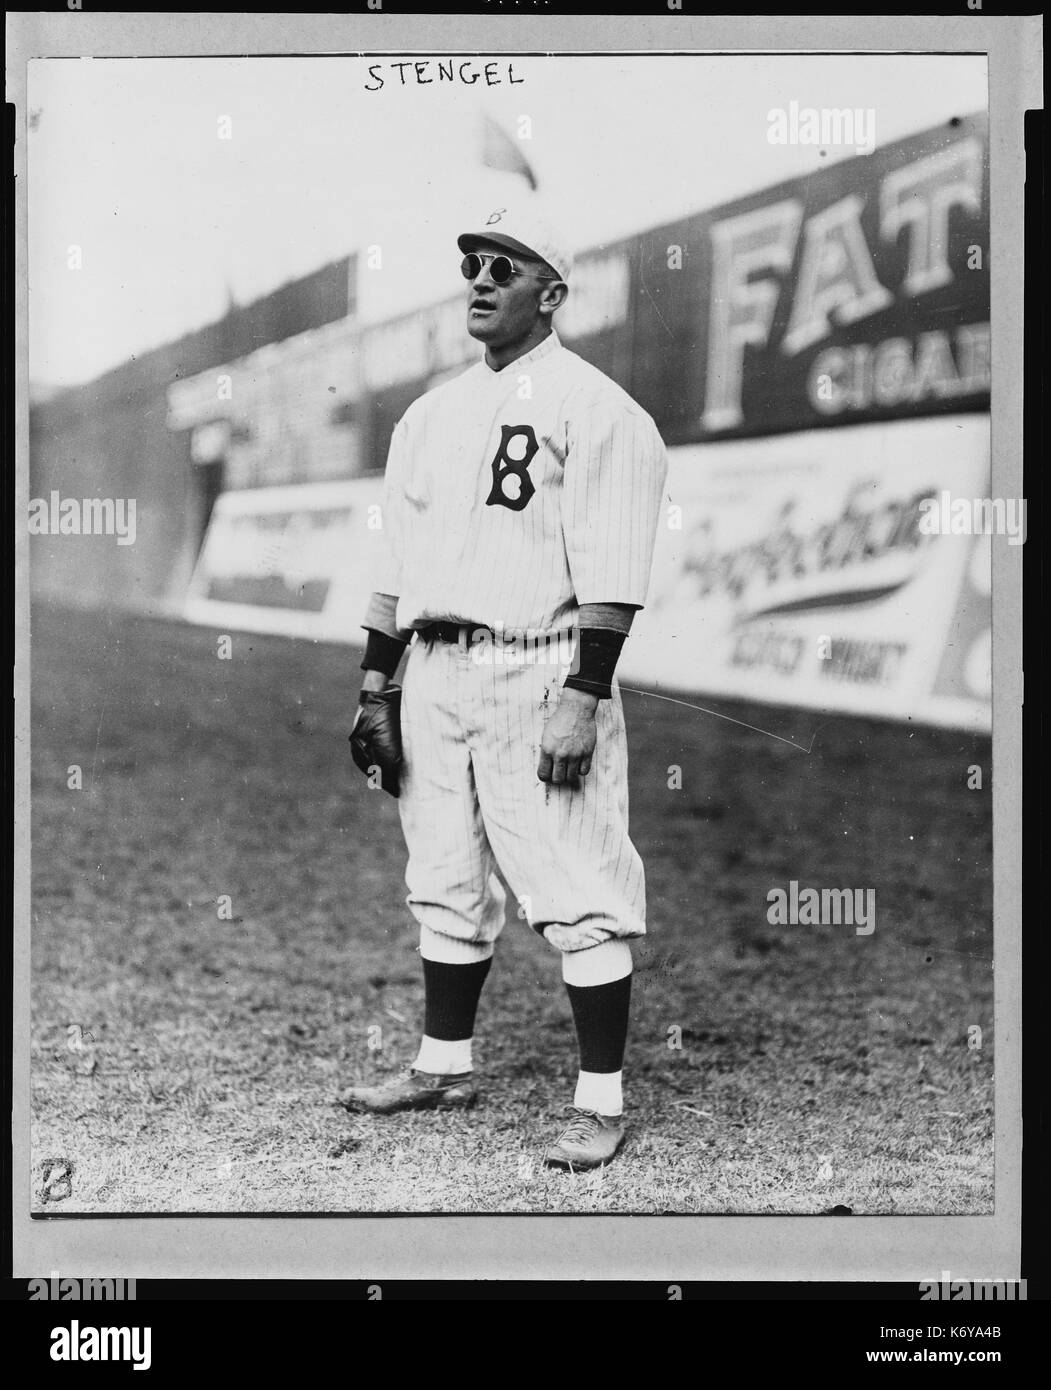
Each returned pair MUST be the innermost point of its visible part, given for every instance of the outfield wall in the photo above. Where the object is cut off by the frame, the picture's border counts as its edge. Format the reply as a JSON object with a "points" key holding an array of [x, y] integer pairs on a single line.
{"points": [[111, 439]]}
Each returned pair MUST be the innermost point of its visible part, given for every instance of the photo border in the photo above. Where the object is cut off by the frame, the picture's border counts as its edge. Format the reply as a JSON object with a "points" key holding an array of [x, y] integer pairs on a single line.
{"points": [[681, 1247]]}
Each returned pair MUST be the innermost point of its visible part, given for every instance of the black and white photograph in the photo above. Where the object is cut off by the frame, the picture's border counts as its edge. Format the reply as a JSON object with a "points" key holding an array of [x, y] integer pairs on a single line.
{"points": [[509, 588]]}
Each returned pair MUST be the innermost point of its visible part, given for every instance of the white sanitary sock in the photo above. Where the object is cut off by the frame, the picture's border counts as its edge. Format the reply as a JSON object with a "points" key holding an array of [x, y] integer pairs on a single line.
{"points": [[443, 1058], [600, 1091]]}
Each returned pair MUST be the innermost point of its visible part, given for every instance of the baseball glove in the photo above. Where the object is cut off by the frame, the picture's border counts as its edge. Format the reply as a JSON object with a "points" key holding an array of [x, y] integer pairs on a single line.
{"points": [[375, 738]]}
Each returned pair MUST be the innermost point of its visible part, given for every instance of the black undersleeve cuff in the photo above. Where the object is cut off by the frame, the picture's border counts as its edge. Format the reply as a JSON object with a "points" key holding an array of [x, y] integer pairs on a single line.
{"points": [[382, 652], [598, 650]]}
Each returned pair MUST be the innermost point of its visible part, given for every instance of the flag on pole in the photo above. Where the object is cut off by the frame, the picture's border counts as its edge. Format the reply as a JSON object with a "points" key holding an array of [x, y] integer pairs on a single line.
{"points": [[499, 151]]}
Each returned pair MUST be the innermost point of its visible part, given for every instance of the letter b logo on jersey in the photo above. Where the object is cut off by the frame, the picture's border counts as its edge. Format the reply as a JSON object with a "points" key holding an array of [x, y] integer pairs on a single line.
{"points": [[512, 485]]}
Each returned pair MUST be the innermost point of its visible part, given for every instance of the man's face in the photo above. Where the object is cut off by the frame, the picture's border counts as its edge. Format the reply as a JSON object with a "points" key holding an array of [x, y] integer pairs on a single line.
{"points": [[498, 315]]}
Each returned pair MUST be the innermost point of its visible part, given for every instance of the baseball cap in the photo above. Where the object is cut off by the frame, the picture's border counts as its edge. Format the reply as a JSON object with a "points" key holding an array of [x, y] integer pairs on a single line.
{"points": [[524, 229]]}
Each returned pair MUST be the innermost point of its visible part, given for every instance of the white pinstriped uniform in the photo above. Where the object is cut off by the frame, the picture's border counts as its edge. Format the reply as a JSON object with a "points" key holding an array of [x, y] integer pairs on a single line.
{"points": [[512, 497]]}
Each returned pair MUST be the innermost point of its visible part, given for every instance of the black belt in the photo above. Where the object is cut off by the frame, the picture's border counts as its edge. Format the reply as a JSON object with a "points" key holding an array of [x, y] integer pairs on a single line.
{"points": [[469, 634], [456, 633]]}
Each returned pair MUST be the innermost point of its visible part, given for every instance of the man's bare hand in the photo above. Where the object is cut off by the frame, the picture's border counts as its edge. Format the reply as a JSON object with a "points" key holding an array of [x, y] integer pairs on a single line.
{"points": [[569, 738]]}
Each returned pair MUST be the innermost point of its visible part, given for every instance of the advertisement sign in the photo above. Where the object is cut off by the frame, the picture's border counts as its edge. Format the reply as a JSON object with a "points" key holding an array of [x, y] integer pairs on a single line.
{"points": [[291, 560], [280, 415], [797, 570], [860, 293]]}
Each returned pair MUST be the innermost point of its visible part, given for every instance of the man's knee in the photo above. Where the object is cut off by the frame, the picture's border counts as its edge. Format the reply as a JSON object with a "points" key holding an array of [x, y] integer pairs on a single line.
{"points": [[597, 965], [452, 950]]}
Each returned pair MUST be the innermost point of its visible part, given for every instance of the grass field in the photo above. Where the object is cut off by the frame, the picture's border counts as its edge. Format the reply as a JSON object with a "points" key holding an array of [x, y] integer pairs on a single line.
{"points": [[186, 1063]]}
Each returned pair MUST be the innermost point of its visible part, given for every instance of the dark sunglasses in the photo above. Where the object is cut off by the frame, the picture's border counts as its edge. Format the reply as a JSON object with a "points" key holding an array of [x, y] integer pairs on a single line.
{"points": [[501, 268]]}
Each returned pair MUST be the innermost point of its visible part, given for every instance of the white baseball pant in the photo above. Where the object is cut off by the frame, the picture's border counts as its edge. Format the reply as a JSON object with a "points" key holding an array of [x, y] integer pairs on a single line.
{"points": [[471, 800]]}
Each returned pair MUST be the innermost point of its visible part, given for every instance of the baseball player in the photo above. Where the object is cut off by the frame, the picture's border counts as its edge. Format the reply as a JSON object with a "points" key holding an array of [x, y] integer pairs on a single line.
{"points": [[521, 505]]}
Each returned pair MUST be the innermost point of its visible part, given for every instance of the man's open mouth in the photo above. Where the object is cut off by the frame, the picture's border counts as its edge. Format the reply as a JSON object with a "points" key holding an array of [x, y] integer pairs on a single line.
{"points": [[482, 306]]}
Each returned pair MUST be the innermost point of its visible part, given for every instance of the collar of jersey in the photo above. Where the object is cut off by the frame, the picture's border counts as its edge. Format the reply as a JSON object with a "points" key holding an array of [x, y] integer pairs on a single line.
{"points": [[550, 344]]}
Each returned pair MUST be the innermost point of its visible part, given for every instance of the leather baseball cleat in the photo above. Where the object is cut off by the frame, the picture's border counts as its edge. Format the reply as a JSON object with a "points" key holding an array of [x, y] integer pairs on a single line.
{"points": [[587, 1141], [412, 1090]]}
